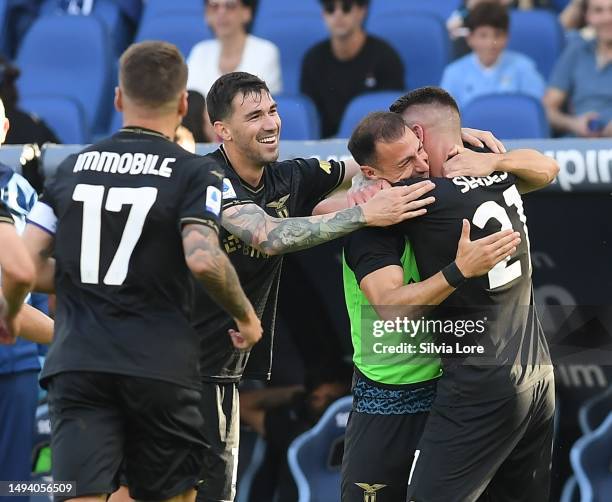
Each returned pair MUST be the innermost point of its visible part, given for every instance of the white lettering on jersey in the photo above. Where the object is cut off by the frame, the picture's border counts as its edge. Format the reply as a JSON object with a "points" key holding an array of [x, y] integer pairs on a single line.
{"points": [[127, 163], [213, 200], [228, 190], [468, 183]]}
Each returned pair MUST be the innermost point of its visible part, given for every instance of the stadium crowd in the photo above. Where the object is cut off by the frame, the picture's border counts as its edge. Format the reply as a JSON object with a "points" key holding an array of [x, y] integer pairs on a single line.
{"points": [[319, 56]]}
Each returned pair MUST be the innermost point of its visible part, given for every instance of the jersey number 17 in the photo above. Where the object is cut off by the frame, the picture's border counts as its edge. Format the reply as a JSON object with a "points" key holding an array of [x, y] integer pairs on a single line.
{"points": [[141, 199]]}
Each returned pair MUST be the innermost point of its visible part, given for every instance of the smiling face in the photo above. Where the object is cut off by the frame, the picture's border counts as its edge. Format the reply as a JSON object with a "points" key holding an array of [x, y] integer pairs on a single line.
{"points": [[254, 126], [400, 159]]}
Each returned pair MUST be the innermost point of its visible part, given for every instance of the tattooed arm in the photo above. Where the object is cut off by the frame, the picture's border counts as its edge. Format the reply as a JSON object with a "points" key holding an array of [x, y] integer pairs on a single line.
{"points": [[274, 236], [211, 266]]}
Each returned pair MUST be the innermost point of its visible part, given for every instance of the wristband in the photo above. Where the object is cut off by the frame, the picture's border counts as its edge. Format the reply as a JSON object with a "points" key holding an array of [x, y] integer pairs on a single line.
{"points": [[453, 275]]}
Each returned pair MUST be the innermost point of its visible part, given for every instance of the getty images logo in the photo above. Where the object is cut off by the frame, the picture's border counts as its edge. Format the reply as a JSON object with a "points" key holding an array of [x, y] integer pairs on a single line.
{"points": [[577, 167]]}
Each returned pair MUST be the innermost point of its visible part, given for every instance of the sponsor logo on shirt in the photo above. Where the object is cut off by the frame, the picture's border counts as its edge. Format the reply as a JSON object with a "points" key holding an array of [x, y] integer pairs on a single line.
{"points": [[213, 200], [228, 190]]}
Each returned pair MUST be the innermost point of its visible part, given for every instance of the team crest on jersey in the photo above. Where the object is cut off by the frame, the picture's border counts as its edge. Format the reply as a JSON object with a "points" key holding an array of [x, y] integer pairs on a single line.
{"points": [[281, 206], [326, 166], [213, 200], [370, 491], [228, 189]]}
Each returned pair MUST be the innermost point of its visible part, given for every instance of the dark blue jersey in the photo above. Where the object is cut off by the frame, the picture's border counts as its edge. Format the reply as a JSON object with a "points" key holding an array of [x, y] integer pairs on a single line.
{"points": [[287, 189], [516, 352], [116, 210]]}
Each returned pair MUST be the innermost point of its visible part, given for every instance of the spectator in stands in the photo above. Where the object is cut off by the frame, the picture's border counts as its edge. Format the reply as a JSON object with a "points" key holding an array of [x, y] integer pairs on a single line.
{"points": [[578, 100], [349, 63], [19, 365], [458, 31], [25, 127], [490, 68], [233, 49], [280, 414]]}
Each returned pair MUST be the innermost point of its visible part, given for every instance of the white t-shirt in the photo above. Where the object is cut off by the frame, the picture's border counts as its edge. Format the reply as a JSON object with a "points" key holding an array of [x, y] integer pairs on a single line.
{"points": [[260, 57]]}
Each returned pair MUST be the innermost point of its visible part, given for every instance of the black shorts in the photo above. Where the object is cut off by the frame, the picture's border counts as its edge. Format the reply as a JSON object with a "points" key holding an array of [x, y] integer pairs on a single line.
{"points": [[500, 450], [220, 408], [378, 452], [101, 420]]}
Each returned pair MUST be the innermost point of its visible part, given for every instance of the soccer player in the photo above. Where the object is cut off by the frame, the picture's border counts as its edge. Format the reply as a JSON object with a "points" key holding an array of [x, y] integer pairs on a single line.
{"points": [[393, 392], [490, 428], [266, 212], [16, 319], [126, 220]]}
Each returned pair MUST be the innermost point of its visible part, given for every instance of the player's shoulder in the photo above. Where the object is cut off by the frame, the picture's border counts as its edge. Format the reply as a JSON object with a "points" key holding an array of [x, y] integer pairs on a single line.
{"points": [[365, 239]]}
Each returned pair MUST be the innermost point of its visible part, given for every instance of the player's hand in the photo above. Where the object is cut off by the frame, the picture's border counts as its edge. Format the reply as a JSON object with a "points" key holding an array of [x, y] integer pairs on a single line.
{"points": [[365, 191], [397, 204], [468, 163], [480, 139], [248, 334], [475, 258]]}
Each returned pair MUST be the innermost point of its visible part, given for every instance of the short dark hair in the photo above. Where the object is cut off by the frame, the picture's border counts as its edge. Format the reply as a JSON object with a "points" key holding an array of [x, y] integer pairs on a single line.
{"points": [[226, 88], [152, 73], [424, 96], [376, 126], [488, 14]]}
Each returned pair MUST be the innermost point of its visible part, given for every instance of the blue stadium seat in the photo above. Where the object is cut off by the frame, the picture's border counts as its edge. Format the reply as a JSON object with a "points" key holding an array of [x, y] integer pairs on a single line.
{"points": [[309, 455], [251, 455], [283, 8], [508, 116], [4, 36], [293, 35], [109, 12], [116, 122], [440, 8], [300, 120], [594, 411], [559, 5], [420, 39], [62, 114], [360, 106], [69, 56], [180, 28], [161, 8], [537, 34], [591, 457]]}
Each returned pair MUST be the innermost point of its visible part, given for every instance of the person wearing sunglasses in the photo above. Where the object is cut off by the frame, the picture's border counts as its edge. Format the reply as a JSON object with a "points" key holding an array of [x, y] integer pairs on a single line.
{"points": [[233, 48], [347, 64]]}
